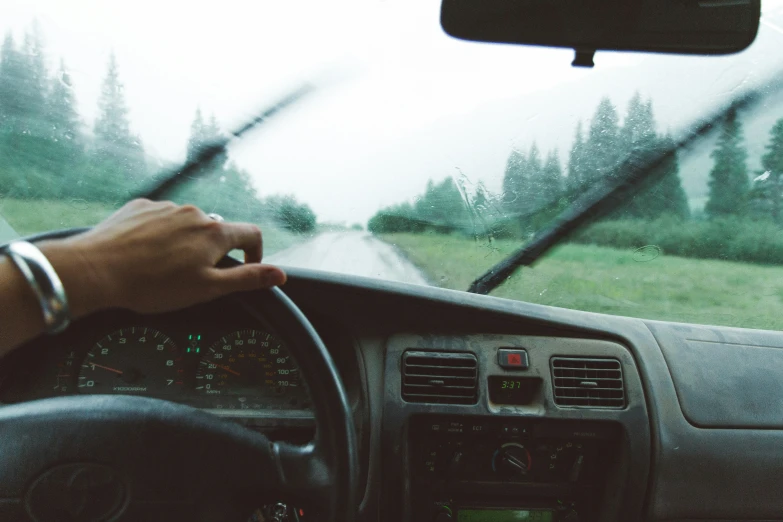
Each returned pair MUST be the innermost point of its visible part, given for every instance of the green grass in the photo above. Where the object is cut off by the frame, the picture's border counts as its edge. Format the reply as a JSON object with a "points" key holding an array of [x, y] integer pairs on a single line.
{"points": [[611, 281], [31, 216]]}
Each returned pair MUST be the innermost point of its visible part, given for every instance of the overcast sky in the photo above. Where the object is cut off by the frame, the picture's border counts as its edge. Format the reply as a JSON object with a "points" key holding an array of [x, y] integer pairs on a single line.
{"points": [[404, 102]]}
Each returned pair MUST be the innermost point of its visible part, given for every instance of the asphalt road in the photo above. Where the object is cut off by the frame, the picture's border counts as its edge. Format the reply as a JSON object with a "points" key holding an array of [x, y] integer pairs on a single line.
{"points": [[351, 252]]}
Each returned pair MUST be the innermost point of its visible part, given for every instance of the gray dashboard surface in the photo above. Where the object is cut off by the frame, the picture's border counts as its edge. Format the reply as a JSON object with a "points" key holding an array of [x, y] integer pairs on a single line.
{"points": [[695, 473], [725, 377]]}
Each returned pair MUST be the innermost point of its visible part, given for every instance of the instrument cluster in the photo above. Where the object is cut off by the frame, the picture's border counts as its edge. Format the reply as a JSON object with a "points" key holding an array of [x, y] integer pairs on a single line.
{"points": [[203, 358]]}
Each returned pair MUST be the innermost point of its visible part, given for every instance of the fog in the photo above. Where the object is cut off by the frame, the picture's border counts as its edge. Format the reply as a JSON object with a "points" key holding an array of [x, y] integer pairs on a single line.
{"points": [[400, 102]]}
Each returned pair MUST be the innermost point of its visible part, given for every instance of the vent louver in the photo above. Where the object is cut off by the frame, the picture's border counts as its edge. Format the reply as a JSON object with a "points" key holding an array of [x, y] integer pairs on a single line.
{"points": [[587, 382], [439, 377]]}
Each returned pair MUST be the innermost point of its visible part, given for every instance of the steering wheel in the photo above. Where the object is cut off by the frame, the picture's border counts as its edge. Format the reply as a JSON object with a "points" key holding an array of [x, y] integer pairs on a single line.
{"points": [[105, 457]]}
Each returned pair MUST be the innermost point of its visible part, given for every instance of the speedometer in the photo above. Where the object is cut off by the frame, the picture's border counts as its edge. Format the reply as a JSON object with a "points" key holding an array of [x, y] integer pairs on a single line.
{"points": [[247, 365]]}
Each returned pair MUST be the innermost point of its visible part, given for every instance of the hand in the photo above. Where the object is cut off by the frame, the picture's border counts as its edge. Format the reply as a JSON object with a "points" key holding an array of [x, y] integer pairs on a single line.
{"points": [[154, 257]]}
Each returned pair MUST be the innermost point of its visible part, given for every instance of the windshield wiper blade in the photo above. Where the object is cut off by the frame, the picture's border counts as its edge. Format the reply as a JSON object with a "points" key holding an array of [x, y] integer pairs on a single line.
{"points": [[614, 190], [208, 153]]}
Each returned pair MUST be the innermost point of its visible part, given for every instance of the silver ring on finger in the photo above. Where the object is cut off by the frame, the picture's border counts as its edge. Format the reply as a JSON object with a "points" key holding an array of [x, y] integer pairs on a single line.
{"points": [[216, 217]]}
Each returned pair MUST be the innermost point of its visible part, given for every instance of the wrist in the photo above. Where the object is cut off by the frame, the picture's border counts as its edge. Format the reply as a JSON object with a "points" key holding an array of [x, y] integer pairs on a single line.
{"points": [[84, 286]]}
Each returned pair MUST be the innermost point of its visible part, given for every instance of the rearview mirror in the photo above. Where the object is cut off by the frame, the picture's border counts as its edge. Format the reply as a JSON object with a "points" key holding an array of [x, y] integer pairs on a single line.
{"points": [[666, 26]]}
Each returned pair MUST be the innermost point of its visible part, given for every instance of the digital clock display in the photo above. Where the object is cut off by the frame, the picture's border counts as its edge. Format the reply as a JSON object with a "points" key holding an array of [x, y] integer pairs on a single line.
{"points": [[513, 390]]}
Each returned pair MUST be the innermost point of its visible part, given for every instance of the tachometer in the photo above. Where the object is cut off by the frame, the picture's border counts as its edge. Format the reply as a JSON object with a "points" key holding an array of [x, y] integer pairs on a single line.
{"points": [[135, 361], [249, 364]]}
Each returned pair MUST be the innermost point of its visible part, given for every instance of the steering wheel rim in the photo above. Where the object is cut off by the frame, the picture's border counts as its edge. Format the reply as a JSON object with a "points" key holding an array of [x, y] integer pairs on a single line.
{"points": [[97, 441]]}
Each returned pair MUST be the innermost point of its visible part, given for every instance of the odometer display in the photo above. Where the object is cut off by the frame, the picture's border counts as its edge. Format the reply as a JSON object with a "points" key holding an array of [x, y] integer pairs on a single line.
{"points": [[244, 366]]}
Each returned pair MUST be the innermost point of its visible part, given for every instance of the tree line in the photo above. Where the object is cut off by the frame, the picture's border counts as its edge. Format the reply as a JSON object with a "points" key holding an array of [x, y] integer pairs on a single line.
{"points": [[48, 152], [536, 187]]}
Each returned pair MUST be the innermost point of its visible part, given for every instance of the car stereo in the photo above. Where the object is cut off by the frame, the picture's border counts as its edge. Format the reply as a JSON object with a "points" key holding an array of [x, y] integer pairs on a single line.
{"points": [[497, 469]]}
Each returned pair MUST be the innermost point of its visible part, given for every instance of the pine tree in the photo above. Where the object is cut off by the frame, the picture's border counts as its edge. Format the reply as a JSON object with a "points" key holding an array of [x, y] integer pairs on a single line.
{"points": [[116, 147], [442, 207], [728, 181], [212, 130], [65, 125], [531, 197], [638, 129], [603, 149], [551, 178], [661, 194], [26, 145], [533, 161], [666, 197], [771, 181], [488, 213], [196, 139], [512, 181], [112, 126], [23, 85], [213, 134], [202, 134], [35, 81], [65, 141], [14, 109], [576, 163]]}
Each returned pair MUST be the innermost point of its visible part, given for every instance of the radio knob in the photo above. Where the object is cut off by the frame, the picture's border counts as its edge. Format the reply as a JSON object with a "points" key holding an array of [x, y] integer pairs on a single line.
{"points": [[511, 460], [443, 515], [457, 463]]}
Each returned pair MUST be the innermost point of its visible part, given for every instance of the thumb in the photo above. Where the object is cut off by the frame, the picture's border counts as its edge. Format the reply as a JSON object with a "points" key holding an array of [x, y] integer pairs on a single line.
{"points": [[250, 276]]}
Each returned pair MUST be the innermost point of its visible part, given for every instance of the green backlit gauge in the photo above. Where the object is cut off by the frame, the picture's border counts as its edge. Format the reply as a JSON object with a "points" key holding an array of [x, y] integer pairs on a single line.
{"points": [[133, 361], [246, 365]]}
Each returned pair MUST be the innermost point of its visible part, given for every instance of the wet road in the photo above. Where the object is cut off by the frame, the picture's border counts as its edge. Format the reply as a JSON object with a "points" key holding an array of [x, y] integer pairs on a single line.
{"points": [[350, 252]]}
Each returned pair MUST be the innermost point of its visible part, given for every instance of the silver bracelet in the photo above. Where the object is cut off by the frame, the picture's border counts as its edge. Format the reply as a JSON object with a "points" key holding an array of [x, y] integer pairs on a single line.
{"points": [[44, 282]]}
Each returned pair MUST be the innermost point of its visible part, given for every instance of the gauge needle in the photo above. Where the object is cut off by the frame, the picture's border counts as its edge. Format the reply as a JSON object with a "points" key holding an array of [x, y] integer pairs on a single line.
{"points": [[229, 370], [105, 368]]}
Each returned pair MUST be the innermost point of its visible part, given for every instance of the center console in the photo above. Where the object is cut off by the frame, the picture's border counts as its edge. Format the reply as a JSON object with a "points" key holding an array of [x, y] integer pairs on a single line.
{"points": [[478, 469], [500, 428]]}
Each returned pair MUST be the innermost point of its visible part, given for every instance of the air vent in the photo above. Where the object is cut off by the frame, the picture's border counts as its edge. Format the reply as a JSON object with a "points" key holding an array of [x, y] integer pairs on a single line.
{"points": [[588, 382], [439, 377]]}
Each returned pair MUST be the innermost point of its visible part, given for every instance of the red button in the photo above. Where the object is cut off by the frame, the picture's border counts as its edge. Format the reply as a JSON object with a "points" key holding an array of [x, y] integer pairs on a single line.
{"points": [[513, 358]]}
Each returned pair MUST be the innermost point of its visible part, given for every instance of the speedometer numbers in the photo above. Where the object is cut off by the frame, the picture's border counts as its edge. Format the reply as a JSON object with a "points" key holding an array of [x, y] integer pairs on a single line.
{"points": [[135, 361], [243, 370], [245, 366]]}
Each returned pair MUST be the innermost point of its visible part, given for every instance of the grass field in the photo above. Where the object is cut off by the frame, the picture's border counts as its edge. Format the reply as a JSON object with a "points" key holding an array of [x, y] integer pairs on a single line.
{"points": [[31, 216], [612, 281]]}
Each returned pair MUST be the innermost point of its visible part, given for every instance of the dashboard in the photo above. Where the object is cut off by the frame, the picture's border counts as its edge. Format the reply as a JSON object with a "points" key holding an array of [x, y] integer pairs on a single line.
{"points": [[467, 408], [213, 357]]}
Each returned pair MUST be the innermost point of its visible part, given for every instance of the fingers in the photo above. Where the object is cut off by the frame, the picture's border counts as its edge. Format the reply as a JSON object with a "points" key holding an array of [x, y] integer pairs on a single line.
{"points": [[244, 236], [246, 277]]}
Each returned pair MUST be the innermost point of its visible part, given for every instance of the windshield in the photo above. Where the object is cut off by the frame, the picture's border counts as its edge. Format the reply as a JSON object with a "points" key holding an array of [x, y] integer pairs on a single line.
{"points": [[419, 158]]}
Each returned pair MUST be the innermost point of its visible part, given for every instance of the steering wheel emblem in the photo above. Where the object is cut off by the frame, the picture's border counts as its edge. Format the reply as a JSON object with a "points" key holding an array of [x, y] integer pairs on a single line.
{"points": [[83, 491]]}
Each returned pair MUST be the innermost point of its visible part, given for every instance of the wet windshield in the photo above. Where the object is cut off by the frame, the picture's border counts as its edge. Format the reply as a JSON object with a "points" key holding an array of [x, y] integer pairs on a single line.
{"points": [[419, 158]]}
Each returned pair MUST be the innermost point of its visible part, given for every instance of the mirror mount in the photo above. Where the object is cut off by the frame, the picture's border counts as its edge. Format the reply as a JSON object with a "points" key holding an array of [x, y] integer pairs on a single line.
{"points": [[583, 58]]}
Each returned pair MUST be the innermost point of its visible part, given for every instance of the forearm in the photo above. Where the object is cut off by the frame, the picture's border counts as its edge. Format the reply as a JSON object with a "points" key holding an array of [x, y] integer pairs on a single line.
{"points": [[21, 317], [20, 314]]}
